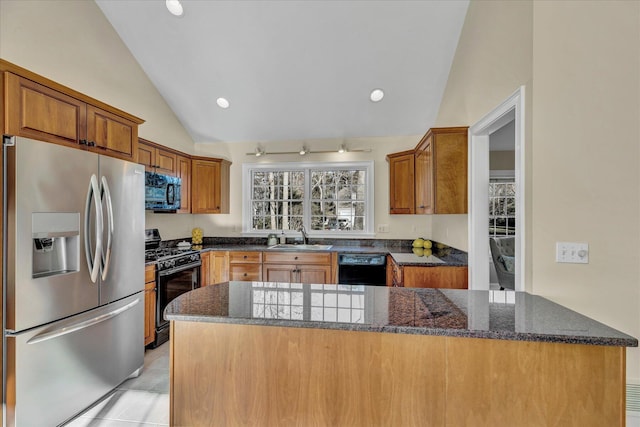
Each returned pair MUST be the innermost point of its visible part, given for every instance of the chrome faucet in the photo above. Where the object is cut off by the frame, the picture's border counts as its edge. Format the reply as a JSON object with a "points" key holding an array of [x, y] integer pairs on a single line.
{"points": [[305, 238]]}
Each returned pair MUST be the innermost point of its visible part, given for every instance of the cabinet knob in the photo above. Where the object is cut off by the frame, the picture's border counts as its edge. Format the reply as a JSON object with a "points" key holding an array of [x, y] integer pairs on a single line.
{"points": [[245, 257], [245, 274], [83, 142], [91, 144], [295, 258]]}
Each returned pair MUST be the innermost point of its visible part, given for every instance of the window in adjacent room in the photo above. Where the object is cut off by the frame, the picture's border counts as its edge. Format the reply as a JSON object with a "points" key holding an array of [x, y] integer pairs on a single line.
{"points": [[327, 198], [502, 207]]}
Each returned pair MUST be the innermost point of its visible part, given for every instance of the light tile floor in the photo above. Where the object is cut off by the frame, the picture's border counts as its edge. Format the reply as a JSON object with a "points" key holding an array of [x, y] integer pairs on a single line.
{"points": [[141, 401]]}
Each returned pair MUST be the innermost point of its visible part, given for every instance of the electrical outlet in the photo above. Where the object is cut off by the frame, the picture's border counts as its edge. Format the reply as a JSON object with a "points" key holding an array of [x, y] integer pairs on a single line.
{"points": [[383, 228], [574, 253]]}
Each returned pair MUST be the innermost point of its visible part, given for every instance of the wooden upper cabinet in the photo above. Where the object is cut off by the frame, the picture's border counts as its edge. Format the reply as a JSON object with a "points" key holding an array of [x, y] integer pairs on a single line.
{"points": [[38, 112], [109, 133], [41, 109], [432, 179], [448, 179], [401, 179], [157, 159], [209, 185]]}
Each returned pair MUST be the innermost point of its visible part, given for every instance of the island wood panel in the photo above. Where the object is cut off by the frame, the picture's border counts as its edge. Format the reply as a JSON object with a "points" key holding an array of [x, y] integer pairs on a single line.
{"points": [[224, 374], [515, 383], [272, 376]]}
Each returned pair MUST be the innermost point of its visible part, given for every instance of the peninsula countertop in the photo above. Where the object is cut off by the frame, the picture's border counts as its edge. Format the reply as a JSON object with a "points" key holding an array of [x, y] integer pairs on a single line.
{"points": [[504, 315]]}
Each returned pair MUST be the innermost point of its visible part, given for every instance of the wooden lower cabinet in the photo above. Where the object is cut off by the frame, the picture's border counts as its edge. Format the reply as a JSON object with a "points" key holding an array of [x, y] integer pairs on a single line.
{"points": [[214, 267], [245, 266], [435, 277], [299, 267], [411, 276], [149, 304]]}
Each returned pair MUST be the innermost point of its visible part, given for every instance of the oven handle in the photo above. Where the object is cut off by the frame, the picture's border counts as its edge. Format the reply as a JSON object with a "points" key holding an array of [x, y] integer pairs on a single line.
{"points": [[163, 273]]}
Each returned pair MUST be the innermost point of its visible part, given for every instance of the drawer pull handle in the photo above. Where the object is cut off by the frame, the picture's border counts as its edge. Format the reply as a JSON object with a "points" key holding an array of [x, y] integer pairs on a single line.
{"points": [[245, 257], [295, 258], [245, 275]]}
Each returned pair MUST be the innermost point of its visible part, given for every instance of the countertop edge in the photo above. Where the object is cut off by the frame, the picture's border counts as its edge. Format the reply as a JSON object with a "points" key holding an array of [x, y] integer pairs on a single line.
{"points": [[502, 335]]}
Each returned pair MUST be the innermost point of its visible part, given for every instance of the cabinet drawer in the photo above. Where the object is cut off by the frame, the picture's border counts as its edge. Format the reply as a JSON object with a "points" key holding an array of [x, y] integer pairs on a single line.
{"points": [[239, 257], [149, 273], [298, 257], [245, 272]]}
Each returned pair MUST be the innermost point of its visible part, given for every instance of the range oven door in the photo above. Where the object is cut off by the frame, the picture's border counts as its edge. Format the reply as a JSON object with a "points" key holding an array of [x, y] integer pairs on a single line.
{"points": [[172, 283]]}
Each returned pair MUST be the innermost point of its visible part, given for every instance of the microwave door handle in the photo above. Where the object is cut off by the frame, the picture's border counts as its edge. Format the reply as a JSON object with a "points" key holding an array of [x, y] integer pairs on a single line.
{"points": [[106, 253], [171, 194], [93, 261]]}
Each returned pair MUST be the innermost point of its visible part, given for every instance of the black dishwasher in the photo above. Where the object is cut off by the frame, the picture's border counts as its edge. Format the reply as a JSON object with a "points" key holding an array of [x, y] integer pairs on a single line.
{"points": [[362, 269]]}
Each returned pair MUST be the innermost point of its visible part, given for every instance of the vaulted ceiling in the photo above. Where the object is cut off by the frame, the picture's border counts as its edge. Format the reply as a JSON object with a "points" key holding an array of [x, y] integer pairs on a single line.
{"points": [[294, 70]]}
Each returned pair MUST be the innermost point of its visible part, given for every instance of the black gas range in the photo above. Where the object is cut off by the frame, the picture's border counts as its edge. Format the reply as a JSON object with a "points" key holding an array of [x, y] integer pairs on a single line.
{"points": [[177, 272]]}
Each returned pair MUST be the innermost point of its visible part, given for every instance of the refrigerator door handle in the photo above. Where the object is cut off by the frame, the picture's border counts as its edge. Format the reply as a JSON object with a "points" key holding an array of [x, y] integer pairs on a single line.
{"points": [[93, 261], [49, 335], [106, 254]]}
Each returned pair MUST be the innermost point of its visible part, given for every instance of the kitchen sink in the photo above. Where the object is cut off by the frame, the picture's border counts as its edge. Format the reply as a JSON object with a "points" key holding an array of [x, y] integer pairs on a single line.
{"points": [[300, 247]]}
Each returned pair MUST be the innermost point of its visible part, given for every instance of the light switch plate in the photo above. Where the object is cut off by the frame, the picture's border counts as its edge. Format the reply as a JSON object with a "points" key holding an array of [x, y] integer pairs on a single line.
{"points": [[383, 228], [571, 252]]}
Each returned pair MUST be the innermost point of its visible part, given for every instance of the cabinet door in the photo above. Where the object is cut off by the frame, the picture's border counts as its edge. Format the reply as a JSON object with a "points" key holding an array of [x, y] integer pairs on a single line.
{"points": [[146, 156], [166, 162], [205, 176], [183, 172], [279, 273], [149, 312], [205, 269], [220, 267], [149, 304], [424, 176], [110, 134], [401, 183], [36, 111], [435, 277], [450, 171], [314, 274]]}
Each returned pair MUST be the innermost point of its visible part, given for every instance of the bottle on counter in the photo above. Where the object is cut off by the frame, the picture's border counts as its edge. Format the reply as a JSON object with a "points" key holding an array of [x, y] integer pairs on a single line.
{"points": [[283, 238]]}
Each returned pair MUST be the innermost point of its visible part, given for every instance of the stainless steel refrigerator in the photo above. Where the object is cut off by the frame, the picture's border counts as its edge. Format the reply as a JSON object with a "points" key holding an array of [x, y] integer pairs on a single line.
{"points": [[73, 279]]}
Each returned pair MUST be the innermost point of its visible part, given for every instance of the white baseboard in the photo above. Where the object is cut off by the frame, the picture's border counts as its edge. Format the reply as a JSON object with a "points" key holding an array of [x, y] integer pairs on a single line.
{"points": [[633, 419]]}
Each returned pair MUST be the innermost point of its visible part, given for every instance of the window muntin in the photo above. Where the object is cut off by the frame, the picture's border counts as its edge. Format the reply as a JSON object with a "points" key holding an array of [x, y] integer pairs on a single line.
{"points": [[324, 197]]}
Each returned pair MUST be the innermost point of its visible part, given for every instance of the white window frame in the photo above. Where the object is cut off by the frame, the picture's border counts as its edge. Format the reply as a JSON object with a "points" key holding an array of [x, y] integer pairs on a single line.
{"points": [[506, 175], [248, 168]]}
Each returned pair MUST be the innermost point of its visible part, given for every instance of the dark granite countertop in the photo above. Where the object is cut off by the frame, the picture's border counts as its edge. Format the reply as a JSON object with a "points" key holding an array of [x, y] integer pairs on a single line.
{"points": [[505, 315], [401, 251]]}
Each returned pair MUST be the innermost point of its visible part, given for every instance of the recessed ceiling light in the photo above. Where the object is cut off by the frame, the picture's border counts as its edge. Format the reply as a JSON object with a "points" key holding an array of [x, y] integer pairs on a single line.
{"points": [[222, 102], [376, 95], [174, 7]]}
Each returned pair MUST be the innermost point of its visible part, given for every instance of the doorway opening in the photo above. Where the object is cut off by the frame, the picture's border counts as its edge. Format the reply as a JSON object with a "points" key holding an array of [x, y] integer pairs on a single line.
{"points": [[507, 119]]}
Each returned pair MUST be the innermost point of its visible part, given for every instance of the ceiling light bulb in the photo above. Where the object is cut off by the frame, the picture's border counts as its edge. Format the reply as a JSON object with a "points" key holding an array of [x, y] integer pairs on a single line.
{"points": [[342, 149], [303, 151], [174, 7], [376, 95], [222, 103]]}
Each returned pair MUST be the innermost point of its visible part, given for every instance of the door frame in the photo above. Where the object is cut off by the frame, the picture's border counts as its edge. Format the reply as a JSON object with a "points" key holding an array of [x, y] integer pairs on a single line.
{"points": [[510, 109]]}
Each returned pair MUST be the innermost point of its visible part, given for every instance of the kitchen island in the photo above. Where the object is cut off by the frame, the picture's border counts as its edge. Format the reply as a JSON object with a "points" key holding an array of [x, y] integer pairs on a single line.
{"points": [[254, 353]]}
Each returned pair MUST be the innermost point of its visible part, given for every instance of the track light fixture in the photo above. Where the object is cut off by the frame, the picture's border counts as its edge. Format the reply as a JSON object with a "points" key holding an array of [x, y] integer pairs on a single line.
{"points": [[304, 151]]}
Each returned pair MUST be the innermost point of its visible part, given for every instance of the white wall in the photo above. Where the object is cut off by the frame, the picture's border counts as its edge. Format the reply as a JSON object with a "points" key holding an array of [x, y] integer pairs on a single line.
{"points": [[400, 226], [580, 64]]}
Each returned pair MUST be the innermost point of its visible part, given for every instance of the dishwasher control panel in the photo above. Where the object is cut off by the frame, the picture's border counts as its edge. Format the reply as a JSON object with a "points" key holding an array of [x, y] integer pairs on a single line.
{"points": [[362, 259]]}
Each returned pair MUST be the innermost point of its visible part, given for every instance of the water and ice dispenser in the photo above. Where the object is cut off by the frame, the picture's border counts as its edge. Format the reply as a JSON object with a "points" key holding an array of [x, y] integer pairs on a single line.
{"points": [[56, 243]]}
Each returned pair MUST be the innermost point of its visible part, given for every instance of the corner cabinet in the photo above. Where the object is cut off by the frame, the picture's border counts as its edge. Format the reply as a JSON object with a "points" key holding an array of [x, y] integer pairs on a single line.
{"points": [[41, 109], [441, 171], [432, 178], [209, 185]]}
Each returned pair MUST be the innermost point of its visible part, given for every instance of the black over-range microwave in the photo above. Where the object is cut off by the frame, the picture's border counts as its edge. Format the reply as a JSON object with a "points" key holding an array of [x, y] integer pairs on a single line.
{"points": [[161, 192]]}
